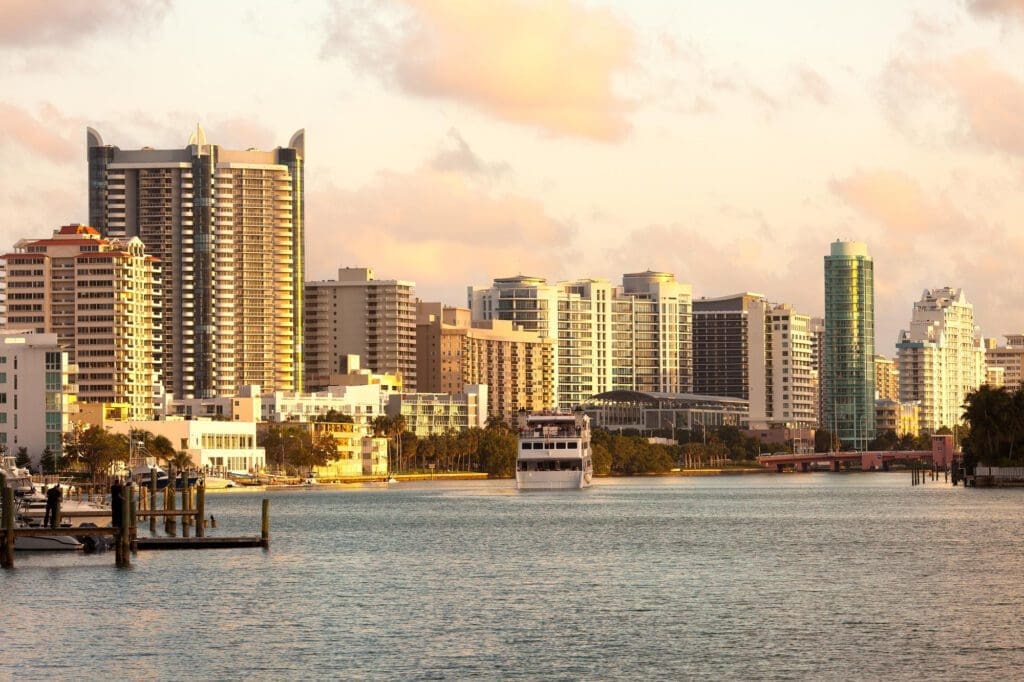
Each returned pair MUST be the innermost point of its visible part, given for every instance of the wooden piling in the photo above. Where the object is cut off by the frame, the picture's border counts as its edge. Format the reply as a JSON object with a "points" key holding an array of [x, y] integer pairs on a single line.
{"points": [[124, 537], [152, 500], [201, 511], [170, 524], [7, 548], [133, 518], [265, 525]]}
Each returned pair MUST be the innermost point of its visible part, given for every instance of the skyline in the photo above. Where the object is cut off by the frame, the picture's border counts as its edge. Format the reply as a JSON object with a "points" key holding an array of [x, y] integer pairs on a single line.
{"points": [[748, 146]]}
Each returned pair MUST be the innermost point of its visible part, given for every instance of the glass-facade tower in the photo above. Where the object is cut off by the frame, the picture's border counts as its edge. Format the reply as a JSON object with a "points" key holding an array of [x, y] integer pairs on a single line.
{"points": [[849, 400]]}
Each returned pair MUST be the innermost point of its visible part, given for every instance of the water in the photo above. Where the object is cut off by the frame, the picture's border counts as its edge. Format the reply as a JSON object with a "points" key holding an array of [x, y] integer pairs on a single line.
{"points": [[778, 576]]}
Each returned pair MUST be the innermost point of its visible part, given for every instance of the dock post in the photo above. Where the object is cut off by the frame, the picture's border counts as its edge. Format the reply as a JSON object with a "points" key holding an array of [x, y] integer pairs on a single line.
{"points": [[124, 538], [201, 511], [152, 501], [265, 526], [170, 524], [133, 518], [7, 548]]}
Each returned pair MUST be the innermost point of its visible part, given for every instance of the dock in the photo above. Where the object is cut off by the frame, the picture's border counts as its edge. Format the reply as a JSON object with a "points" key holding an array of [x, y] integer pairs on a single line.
{"points": [[125, 535]]}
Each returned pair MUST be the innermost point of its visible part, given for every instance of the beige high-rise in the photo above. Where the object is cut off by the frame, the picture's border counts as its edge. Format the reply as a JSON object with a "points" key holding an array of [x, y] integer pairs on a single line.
{"points": [[101, 297], [783, 378], [228, 227], [359, 315], [452, 350], [887, 379]]}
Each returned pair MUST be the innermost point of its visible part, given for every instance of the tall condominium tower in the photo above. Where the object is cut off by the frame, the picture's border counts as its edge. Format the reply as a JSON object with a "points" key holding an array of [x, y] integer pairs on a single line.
{"points": [[783, 378], [228, 227], [452, 350], [359, 315], [941, 358], [101, 297], [849, 405], [632, 337], [721, 345], [817, 331]]}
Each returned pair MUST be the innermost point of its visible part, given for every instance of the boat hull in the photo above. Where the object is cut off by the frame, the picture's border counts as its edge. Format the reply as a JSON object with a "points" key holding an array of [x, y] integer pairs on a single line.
{"points": [[551, 480], [46, 543]]}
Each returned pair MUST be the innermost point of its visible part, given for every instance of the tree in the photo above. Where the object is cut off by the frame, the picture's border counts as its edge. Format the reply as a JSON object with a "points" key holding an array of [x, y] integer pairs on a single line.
{"points": [[22, 459], [181, 461], [50, 462], [602, 459], [162, 449], [498, 451], [96, 448], [335, 417], [996, 421]]}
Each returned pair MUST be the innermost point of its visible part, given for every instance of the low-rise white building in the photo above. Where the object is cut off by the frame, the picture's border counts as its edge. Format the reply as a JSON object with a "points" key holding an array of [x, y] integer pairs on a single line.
{"points": [[209, 443], [427, 413]]}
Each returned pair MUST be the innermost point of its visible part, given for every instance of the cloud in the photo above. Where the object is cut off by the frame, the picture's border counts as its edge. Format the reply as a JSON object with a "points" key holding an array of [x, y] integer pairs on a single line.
{"points": [[47, 133], [440, 228], [812, 84], [1008, 9], [456, 155], [968, 94], [31, 22], [550, 64]]}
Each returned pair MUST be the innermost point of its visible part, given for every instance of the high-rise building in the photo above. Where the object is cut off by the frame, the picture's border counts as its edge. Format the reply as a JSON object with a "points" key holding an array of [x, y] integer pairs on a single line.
{"points": [[721, 347], [359, 315], [1009, 357], [887, 379], [228, 227], [101, 297], [783, 380], [940, 358], [633, 337], [849, 405], [516, 365], [817, 333], [36, 393]]}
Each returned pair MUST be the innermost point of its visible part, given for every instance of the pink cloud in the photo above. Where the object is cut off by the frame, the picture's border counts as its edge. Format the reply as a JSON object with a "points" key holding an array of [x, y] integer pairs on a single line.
{"points": [[997, 8], [47, 133], [549, 64], [31, 22]]}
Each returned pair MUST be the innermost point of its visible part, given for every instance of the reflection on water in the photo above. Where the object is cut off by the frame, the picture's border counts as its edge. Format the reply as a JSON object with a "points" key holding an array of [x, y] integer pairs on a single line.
{"points": [[817, 575]]}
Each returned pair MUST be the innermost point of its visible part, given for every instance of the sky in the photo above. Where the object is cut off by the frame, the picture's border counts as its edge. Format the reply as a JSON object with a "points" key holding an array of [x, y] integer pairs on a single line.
{"points": [[450, 142]]}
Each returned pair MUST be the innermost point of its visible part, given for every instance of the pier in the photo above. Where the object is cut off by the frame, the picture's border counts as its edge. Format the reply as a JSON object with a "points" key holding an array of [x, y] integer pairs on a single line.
{"points": [[125, 536]]}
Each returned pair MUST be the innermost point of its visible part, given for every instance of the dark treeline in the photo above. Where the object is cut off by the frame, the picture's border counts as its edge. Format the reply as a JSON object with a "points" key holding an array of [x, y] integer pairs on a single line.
{"points": [[995, 437]]}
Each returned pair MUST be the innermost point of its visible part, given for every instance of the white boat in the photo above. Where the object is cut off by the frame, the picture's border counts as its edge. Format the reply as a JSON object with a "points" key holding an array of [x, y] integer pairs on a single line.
{"points": [[217, 482], [73, 513], [554, 451], [18, 478], [391, 479], [46, 543]]}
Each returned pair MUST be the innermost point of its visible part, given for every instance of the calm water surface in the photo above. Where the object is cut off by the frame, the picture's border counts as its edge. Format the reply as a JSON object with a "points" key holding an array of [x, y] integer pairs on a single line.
{"points": [[845, 576]]}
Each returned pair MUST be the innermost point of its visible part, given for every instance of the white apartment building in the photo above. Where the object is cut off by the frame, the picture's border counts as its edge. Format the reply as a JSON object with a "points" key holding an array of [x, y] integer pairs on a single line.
{"points": [[360, 315], [228, 227], [427, 413], [210, 444], [1009, 357], [783, 378], [631, 337], [940, 358], [36, 393], [101, 297]]}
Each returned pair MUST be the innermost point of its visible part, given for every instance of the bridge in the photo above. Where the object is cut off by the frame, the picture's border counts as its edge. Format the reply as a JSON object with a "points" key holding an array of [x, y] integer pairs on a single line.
{"points": [[941, 455]]}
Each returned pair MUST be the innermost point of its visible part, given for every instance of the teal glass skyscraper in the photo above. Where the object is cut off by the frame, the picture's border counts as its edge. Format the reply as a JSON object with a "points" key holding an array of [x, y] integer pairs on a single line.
{"points": [[849, 404]]}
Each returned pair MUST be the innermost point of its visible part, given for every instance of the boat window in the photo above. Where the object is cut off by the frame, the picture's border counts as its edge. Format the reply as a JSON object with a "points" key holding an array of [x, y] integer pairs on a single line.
{"points": [[560, 446], [549, 446], [527, 446], [573, 445]]}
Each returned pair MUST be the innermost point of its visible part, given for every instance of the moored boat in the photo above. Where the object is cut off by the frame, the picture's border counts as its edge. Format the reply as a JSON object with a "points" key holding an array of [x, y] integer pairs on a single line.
{"points": [[554, 451]]}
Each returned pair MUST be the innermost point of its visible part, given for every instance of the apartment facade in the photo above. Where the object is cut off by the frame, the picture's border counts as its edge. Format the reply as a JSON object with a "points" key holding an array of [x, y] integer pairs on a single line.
{"points": [[902, 418], [360, 315], [941, 357], [101, 298], [887, 379], [1010, 357], [849, 401], [439, 413], [228, 227], [721, 345], [37, 396], [636, 336], [783, 377], [516, 365]]}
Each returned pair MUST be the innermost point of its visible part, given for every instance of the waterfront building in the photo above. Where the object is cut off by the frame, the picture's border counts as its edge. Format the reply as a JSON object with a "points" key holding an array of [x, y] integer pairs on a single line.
{"points": [[1009, 357], [940, 358], [849, 401], [37, 396], [783, 386], [360, 315], [887, 379], [357, 451], [453, 350], [671, 413], [636, 336], [228, 227], [210, 444], [901, 417], [721, 345], [782, 438], [430, 413], [995, 377], [101, 297]]}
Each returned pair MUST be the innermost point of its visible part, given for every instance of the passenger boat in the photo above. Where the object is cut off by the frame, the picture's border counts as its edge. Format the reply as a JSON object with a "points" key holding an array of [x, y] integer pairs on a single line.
{"points": [[554, 451]]}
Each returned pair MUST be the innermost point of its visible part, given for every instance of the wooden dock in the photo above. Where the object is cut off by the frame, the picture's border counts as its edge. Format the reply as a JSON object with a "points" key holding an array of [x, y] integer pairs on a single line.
{"points": [[125, 535]]}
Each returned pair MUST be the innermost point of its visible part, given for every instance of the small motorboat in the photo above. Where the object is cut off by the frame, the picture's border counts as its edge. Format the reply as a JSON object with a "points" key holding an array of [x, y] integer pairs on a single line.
{"points": [[391, 479], [46, 543]]}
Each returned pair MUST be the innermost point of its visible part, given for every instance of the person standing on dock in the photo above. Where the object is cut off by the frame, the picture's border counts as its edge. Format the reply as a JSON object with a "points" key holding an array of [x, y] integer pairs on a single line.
{"points": [[53, 499], [116, 502]]}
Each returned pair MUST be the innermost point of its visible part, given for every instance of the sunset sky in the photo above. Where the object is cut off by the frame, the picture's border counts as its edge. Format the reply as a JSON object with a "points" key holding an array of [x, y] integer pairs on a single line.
{"points": [[450, 142]]}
